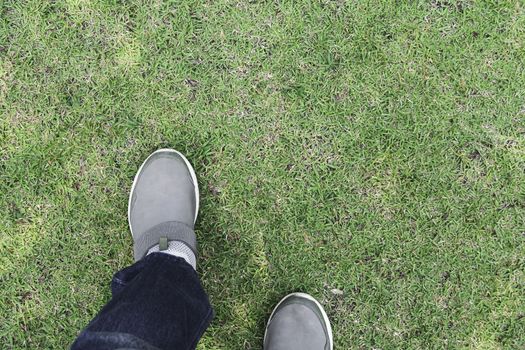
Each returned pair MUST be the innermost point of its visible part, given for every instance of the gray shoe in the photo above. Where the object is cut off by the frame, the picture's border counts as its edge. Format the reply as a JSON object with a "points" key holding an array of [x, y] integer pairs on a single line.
{"points": [[298, 322], [163, 203]]}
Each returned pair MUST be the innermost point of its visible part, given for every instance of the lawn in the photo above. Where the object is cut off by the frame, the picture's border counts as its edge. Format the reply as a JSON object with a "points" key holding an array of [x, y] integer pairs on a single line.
{"points": [[371, 154]]}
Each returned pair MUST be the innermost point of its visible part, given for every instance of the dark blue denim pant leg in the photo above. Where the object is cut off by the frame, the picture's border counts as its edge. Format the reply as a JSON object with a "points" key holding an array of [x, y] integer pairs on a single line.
{"points": [[157, 303]]}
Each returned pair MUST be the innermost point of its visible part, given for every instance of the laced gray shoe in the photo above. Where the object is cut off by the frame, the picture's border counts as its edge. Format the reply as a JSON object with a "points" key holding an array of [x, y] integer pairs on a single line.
{"points": [[298, 322], [163, 203]]}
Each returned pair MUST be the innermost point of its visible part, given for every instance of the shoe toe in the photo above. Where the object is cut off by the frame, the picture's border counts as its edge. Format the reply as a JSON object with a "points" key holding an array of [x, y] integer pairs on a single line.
{"points": [[163, 191], [297, 323]]}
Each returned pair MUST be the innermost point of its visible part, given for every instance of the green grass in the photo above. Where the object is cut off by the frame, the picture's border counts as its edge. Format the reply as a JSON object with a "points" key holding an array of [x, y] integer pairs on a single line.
{"points": [[375, 148]]}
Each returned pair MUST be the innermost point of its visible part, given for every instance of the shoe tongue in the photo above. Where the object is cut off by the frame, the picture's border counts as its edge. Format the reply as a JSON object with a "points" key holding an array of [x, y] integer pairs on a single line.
{"points": [[163, 243], [166, 231]]}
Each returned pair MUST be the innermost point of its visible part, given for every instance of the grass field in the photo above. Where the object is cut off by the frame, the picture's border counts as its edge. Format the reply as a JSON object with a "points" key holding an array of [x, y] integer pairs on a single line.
{"points": [[371, 154]]}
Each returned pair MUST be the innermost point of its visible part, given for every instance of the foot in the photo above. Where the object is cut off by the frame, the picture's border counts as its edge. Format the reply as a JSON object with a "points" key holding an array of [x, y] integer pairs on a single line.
{"points": [[298, 322], [163, 203]]}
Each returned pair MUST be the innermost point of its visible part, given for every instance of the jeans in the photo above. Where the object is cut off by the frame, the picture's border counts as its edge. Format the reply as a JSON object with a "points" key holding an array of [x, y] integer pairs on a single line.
{"points": [[157, 303]]}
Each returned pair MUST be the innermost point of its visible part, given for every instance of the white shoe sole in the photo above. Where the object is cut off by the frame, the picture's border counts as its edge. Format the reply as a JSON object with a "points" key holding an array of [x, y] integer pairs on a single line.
{"points": [[308, 297], [193, 178]]}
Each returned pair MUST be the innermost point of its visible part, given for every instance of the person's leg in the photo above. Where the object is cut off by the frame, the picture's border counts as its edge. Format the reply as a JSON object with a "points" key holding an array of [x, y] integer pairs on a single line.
{"points": [[158, 302], [298, 322]]}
